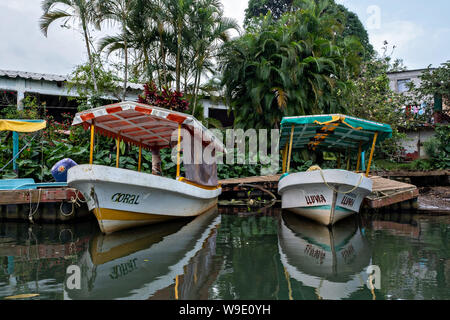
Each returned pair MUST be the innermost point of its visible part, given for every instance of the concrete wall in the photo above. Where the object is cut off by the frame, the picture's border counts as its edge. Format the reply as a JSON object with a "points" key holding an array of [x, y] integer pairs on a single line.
{"points": [[395, 76], [413, 144], [210, 104]]}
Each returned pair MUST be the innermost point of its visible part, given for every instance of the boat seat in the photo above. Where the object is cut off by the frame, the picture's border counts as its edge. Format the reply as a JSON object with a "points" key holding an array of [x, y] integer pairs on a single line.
{"points": [[17, 184]]}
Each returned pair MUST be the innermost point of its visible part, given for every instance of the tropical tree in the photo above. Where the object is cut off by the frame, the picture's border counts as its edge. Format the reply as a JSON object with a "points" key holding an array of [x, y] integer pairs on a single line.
{"points": [[176, 14], [82, 11], [372, 98], [292, 66], [350, 21], [258, 8], [354, 27], [210, 30]]}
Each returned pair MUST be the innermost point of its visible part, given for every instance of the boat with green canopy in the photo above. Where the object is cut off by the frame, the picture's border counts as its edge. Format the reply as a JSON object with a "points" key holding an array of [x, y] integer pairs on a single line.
{"points": [[328, 196]]}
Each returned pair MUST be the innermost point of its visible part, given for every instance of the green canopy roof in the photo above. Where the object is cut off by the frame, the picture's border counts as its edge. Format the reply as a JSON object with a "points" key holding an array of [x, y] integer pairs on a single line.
{"points": [[332, 132]]}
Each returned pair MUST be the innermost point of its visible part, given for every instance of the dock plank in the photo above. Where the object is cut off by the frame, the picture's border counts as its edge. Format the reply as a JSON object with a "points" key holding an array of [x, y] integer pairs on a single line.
{"points": [[38, 195]]}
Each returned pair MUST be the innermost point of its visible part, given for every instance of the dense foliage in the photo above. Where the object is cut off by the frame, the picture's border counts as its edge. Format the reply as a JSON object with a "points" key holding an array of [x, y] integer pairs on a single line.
{"points": [[257, 8], [352, 25], [438, 149], [292, 66]]}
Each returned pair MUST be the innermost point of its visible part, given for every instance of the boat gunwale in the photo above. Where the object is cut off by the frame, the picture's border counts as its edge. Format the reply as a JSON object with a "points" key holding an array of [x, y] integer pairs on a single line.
{"points": [[155, 181], [285, 183]]}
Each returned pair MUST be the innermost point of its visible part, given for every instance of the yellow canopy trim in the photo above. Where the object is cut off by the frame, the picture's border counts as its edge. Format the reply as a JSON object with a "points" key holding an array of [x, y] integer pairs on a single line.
{"points": [[21, 126], [336, 119], [329, 127]]}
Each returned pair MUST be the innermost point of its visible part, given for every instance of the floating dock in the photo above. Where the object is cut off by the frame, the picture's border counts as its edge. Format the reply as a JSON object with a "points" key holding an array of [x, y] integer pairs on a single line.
{"points": [[386, 193], [59, 204]]}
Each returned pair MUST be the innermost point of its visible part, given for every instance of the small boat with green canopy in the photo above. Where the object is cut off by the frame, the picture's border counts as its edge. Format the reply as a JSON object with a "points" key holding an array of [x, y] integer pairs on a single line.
{"points": [[328, 196]]}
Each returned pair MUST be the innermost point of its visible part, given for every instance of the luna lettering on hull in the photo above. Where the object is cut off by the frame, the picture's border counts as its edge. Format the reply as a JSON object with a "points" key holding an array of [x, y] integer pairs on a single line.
{"points": [[347, 201], [125, 198], [313, 199]]}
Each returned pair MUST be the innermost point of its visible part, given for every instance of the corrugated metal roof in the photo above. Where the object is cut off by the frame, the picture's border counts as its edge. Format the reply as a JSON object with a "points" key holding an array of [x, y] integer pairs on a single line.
{"points": [[53, 77], [32, 75]]}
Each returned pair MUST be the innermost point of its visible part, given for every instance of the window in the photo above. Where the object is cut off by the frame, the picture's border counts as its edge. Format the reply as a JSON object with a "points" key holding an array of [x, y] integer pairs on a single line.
{"points": [[402, 85]]}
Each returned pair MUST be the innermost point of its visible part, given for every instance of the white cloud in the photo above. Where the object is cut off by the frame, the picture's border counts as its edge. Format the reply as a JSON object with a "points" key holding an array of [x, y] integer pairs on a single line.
{"points": [[235, 9], [17, 5], [416, 44], [402, 34], [25, 48]]}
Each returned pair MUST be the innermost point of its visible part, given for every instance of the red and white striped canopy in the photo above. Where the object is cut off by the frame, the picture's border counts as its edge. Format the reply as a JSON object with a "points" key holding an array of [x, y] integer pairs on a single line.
{"points": [[142, 125]]}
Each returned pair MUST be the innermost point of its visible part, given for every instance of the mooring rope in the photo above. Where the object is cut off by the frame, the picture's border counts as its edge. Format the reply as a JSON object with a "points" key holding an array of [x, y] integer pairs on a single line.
{"points": [[317, 168], [32, 213], [73, 201]]}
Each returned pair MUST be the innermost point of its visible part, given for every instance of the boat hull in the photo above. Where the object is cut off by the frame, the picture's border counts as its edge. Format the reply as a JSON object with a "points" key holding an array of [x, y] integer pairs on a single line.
{"points": [[306, 194], [122, 199]]}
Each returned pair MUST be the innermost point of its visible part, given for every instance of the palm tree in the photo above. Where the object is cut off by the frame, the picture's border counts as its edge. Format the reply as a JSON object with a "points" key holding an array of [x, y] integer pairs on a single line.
{"points": [[117, 11], [82, 11], [177, 13], [210, 31]]}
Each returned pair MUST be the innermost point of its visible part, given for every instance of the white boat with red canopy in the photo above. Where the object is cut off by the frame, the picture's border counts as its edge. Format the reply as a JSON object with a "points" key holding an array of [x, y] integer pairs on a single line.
{"points": [[122, 198]]}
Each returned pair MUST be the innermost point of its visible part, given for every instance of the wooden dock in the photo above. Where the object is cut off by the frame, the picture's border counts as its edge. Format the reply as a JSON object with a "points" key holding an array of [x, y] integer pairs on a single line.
{"points": [[386, 192], [60, 204]]}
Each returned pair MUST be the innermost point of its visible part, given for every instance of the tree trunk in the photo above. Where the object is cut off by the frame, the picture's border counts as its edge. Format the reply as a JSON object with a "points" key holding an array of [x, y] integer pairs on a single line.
{"points": [[156, 162], [163, 54], [126, 69], [147, 63], [178, 63], [91, 61], [196, 85]]}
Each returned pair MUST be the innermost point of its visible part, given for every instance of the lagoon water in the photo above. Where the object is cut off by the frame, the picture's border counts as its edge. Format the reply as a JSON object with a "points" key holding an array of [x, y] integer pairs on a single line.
{"points": [[231, 253]]}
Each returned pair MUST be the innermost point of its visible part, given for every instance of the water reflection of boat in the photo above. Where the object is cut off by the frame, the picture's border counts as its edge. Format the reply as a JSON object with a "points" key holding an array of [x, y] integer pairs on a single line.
{"points": [[136, 264], [331, 260]]}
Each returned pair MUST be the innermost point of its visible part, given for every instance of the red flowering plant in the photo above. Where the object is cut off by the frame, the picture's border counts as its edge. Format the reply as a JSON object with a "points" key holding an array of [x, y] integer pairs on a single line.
{"points": [[168, 99]]}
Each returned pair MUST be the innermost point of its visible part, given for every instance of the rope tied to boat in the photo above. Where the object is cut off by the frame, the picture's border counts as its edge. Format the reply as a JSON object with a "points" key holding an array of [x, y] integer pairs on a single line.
{"points": [[33, 212], [73, 201], [317, 168]]}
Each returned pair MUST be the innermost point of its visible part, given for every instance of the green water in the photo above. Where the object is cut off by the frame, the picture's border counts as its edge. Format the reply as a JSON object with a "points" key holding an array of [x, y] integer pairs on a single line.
{"points": [[231, 254]]}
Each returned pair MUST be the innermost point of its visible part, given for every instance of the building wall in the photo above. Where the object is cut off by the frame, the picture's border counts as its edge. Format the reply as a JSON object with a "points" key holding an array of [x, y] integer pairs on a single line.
{"points": [[413, 144], [395, 77], [23, 85]]}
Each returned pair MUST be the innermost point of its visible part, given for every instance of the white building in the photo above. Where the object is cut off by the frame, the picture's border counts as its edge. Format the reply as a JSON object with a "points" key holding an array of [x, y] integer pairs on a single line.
{"points": [[399, 80], [49, 88], [414, 144], [52, 89]]}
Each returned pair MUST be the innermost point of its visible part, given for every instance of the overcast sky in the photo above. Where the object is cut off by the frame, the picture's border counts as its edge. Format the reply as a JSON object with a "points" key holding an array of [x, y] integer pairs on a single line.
{"points": [[419, 29]]}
